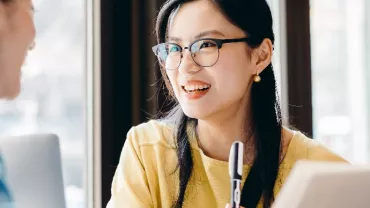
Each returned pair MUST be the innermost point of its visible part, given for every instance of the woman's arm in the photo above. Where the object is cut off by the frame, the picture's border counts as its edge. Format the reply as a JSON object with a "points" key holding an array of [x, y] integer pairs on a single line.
{"points": [[130, 184]]}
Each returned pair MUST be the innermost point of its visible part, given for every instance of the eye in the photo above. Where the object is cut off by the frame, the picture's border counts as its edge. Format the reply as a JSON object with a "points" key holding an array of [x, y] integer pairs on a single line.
{"points": [[207, 44], [203, 45], [173, 48]]}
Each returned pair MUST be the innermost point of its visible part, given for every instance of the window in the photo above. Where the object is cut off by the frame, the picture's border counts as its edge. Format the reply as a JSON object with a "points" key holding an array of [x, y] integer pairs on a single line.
{"points": [[279, 53], [53, 96], [340, 44], [275, 10]]}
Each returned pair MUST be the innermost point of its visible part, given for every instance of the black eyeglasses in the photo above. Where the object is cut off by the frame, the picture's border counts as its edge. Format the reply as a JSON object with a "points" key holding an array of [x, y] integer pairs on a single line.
{"points": [[204, 52]]}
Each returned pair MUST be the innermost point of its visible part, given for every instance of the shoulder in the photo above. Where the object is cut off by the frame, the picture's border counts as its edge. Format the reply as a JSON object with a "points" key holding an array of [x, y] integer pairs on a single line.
{"points": [[153, 132], [303, 148]]}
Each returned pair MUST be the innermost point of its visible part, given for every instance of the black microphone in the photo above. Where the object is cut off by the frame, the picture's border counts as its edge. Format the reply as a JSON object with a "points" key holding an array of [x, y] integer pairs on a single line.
{"points": [[236, 171]]}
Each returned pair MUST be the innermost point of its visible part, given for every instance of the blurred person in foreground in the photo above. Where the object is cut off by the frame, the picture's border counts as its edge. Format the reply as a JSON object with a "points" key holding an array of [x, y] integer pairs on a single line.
{"points": [[17, 34], [215, 58]]}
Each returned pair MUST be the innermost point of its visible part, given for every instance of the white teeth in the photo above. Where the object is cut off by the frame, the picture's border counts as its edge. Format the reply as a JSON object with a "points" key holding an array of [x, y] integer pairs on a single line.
{"points": [[196, 87]]}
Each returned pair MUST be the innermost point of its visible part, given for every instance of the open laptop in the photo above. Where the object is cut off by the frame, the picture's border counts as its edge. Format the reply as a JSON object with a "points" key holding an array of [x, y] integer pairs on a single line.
{"points": [[33, 170], [326, 185]]}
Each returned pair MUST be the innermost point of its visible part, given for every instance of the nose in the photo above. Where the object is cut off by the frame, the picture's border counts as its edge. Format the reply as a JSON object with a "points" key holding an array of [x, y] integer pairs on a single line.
{"points": [[187, 65]]}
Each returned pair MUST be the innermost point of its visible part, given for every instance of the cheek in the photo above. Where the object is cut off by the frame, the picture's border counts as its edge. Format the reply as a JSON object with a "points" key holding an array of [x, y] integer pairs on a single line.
{"points": [[23, 24], [233, 71], [232, 78], [172, 75], [232, 84], [32, 31], [29, 30]]}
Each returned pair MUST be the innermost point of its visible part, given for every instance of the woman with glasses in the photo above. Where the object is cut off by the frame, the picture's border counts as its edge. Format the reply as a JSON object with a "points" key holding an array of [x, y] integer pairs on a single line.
{"points": [[215, 58], [17, 33]]}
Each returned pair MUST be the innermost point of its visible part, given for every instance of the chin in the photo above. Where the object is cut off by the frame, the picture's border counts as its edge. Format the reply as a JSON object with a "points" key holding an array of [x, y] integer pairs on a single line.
{"points": [[14, 95], [10, 93], [196, 112]]}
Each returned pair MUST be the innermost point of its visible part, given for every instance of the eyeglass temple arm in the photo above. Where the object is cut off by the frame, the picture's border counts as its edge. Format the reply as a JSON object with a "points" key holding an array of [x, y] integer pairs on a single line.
{"points": [[235, 40]]}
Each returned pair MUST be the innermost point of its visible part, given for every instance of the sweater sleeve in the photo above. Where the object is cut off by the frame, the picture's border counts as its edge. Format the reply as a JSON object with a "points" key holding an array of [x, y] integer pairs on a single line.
{"points": [[130, 185]]}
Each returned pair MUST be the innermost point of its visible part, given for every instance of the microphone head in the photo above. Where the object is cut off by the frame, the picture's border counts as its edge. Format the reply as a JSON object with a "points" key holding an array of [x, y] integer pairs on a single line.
{"points": [[236, 160]]}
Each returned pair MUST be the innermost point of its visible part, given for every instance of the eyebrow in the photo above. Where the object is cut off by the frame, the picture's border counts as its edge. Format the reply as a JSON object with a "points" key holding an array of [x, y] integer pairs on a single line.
{"points": [[207, 33], [200, 35]]}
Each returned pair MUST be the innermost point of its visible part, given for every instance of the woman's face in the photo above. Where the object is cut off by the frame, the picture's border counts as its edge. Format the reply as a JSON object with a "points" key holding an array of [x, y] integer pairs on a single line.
{"points": [[228, 81], [17, 33]]}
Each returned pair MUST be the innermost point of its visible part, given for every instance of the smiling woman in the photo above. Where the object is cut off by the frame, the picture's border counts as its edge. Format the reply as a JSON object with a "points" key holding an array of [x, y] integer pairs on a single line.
{"points": [[216, 63], [17, 33]]}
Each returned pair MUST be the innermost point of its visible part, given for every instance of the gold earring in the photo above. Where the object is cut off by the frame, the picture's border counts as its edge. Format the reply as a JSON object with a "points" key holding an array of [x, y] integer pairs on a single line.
{"points": [[256, 77]]}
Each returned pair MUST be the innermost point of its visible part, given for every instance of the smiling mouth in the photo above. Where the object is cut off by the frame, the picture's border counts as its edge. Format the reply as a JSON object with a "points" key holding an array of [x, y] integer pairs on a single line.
{"points": [[196, 88]]}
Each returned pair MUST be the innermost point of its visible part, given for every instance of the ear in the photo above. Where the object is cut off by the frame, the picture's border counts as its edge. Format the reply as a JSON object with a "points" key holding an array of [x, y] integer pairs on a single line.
{"points": [[262, 55]]}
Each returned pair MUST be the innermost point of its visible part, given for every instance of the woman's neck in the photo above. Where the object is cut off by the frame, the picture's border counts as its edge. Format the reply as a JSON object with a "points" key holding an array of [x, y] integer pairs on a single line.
{"points": [[217, 134]]}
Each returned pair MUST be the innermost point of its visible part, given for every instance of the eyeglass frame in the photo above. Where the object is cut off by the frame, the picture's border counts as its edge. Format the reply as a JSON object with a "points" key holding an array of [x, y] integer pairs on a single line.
{"points": [[219, 43]]}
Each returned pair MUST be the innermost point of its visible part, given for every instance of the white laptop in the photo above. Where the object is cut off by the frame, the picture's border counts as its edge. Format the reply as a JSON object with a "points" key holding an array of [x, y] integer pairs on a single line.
{"points": [[325, 185], [33, 170]]}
